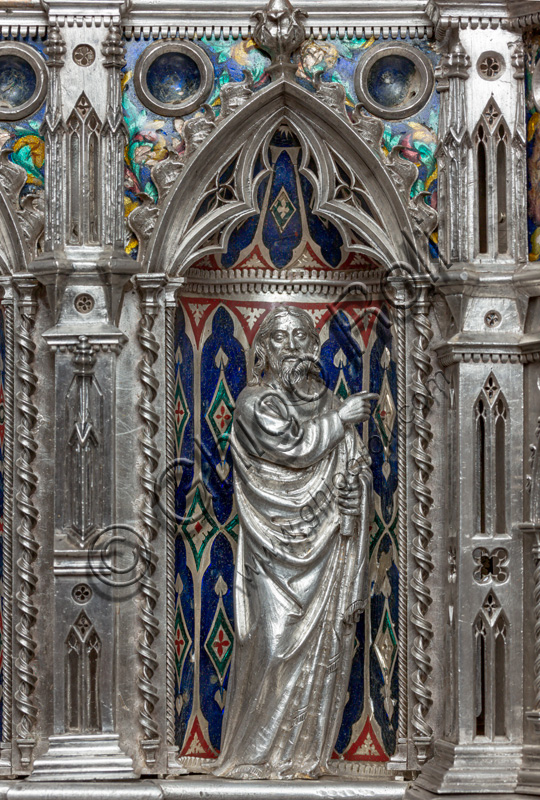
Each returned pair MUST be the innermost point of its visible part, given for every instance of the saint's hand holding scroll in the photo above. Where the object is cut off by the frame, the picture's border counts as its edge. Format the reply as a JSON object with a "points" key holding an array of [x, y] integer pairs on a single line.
{"points": [[303, 489]]}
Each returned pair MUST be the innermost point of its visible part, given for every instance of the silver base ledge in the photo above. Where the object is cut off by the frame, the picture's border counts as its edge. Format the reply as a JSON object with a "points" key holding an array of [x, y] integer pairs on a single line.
{"points": [[79, 758], [529, 774], [468, 769], [196, 787]]}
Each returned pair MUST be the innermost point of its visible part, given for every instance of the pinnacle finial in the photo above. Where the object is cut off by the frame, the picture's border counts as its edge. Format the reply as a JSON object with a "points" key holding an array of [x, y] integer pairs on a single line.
{"points": [[279, 30]]}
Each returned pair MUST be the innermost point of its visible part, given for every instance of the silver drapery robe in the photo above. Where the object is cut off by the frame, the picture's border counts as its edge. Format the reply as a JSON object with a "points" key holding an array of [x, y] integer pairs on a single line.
{"points": [[299, 583]]}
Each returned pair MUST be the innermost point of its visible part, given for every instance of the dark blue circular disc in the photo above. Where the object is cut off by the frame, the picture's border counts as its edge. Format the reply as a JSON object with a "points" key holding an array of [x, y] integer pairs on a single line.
{"points": [[173, 78], [391, 80], [17, 81]]}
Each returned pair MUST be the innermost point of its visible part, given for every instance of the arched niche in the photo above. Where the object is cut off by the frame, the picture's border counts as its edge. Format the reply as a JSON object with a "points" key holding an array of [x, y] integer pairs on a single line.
{"points": [[213, 318]]}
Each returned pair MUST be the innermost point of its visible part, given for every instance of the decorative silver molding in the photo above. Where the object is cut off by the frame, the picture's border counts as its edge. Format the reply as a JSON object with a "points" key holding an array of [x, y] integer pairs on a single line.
{"points": [[7, 567], [421, 457], [149, 287], [400, 758], [412, 19], [26, 671], [350, 30], [455, 14], [366, 19], [209, 787], [308, 282], [496, 354], [36, 32], [173, 287], [70, 12]]}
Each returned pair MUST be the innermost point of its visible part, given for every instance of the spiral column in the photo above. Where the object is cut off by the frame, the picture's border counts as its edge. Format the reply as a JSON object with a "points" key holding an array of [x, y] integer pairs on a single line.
{"points": [[149, 287], [423, 467], [28, 516], [8, 304]]}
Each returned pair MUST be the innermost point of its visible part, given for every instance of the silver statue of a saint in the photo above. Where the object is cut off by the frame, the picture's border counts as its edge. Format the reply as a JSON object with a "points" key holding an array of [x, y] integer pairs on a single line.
{"points": [[303, 487]]}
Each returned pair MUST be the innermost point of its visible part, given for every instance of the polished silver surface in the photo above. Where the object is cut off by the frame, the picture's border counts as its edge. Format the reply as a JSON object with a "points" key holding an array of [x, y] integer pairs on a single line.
{"points": [[88, 628]]}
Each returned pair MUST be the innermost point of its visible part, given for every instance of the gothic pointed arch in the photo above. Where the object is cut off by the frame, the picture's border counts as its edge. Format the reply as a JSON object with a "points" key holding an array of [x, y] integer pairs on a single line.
{"points": [[353, 187]]}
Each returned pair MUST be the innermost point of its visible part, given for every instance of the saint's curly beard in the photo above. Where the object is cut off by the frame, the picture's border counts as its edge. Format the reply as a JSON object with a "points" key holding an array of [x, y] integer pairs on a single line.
{"points": [[291, 369]]}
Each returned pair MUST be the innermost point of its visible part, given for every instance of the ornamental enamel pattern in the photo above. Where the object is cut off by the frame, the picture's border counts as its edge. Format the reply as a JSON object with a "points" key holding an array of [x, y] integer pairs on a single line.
{"points": [[199, 527], [220, 640], [151, 135]]}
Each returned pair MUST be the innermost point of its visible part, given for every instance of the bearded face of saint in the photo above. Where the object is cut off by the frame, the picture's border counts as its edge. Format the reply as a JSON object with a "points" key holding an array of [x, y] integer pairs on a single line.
{"points": [[287, 350]]}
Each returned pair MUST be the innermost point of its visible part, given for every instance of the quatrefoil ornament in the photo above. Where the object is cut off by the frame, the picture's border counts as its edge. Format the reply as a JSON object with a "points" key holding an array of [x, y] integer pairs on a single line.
{"points": [[492, 566]]}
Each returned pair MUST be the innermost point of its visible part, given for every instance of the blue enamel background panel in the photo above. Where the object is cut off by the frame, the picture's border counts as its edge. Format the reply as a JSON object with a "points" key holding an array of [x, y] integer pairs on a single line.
{"points": [[352, 359]]}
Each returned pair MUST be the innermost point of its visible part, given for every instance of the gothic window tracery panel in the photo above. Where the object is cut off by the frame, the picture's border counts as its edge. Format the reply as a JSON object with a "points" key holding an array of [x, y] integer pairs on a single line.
{"points": [[490, 632], [492, 168], [491, 416], [84, 147], [82, 677]]}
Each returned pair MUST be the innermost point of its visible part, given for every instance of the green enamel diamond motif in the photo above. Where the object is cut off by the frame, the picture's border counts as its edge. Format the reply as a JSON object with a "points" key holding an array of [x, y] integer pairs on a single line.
{"points": [[219, 644], [282, 209], [199, 527], [220, 415]]}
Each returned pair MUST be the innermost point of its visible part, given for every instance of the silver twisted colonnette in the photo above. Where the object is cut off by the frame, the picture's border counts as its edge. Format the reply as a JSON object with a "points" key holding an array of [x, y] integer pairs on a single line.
{"points": [[25, 668], [423, 733], [402, 527], [8, 515], [169, 355], [150, 524]]}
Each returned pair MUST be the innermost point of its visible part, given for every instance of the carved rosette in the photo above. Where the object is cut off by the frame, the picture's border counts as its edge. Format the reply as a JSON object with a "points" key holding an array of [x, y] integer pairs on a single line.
{"points": [[149, 287], [28, 513], [421, 457]]}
